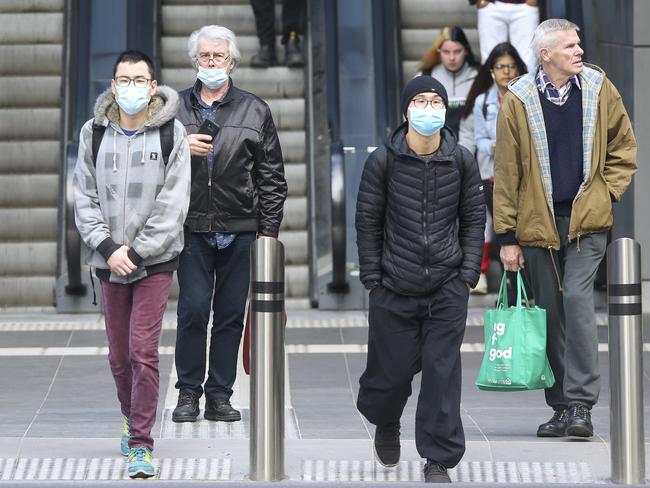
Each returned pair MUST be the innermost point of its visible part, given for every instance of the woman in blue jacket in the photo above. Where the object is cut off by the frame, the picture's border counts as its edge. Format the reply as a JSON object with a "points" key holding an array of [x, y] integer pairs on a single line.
{"points": [[482, 106]]}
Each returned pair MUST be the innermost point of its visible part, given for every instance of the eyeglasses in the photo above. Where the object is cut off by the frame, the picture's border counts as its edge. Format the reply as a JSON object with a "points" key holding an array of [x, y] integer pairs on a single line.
{"points": [[510, 66], [423, 102], [216, 58], [139, 81]]}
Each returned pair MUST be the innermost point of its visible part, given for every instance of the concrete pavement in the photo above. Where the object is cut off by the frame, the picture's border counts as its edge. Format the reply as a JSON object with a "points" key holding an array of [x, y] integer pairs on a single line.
{"points": [[59, 418]]}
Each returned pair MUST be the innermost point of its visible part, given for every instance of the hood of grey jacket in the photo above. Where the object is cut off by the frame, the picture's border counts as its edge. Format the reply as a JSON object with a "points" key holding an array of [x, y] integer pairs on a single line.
{"points": [[162, 107], [456, 83]]}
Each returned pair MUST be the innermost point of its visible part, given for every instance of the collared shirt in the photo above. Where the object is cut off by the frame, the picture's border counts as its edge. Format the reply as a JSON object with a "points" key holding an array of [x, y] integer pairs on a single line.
{"points": [[558, 96], [217, 240]]}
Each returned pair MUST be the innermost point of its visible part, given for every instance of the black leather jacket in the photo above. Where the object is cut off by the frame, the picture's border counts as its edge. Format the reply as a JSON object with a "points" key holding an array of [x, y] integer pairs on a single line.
{"points": [[247, 188], [420, 224]]}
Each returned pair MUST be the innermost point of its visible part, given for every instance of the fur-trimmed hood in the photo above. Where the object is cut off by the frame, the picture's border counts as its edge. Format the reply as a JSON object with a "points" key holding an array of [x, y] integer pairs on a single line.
{"points": [[162, 107]]}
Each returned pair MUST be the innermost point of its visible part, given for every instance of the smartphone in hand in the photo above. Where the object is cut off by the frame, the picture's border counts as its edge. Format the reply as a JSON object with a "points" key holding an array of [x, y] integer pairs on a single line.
{"points": [[209, 128]]}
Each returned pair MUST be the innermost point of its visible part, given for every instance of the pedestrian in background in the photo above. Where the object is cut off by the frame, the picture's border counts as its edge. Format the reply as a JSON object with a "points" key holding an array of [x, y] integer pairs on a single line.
{"points": [[130, 204], [293, 27], [451, 61], [508, 20], [565, 152], [420, 219], [481, 109], [238, 192]]}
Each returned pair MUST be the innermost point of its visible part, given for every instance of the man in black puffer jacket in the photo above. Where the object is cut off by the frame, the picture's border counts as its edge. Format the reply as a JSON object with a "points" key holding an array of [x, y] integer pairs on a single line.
{"points": [[420, 221]]}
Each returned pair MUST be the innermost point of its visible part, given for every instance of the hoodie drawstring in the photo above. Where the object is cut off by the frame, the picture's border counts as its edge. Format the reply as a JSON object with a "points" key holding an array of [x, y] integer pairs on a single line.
{"points": [[92, 283], [144, 145], [557, 275], [114, 151]]}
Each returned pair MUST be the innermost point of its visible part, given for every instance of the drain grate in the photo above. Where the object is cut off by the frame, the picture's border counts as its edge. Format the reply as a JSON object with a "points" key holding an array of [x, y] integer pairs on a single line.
{"points": [[465, 472], [103, 469]]}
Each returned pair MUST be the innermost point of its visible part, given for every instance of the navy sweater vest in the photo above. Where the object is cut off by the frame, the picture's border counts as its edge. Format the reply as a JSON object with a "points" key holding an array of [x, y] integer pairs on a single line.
{"points": [[564, 137]]}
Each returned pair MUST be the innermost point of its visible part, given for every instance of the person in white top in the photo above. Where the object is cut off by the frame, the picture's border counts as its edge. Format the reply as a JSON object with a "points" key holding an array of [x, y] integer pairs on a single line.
{"points": [[508, 20]]}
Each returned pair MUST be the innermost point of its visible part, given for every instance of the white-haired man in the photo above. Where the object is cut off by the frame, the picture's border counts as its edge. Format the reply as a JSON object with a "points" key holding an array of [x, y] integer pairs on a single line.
{"points": [[238, 192], [565, 151]]}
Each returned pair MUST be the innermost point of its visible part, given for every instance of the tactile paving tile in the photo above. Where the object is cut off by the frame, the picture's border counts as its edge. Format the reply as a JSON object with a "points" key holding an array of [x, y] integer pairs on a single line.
{"points": [[104, 469], [206, 429], [465, 472]]}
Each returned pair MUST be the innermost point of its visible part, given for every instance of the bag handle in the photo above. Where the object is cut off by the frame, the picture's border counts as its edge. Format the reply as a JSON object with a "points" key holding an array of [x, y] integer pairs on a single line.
{"points": [[521, 289], [502, 298]]}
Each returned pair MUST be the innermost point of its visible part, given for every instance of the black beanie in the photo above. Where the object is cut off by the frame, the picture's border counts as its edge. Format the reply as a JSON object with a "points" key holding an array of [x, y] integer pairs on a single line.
{"points": [[422, 84]]}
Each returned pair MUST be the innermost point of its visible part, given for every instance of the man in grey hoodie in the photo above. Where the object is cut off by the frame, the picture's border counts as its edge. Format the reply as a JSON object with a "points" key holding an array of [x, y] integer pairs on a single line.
{"points": [[131, 199]]}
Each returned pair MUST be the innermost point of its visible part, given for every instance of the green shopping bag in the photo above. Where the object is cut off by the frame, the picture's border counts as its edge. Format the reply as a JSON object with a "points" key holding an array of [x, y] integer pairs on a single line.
{"points": [[515, 345]]}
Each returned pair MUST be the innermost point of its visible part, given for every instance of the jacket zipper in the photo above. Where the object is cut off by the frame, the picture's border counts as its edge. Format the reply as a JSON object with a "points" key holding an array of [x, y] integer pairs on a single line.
{"points": [[557, 275], [424, 222], [209, 195], [126, 171], [581, 190]]}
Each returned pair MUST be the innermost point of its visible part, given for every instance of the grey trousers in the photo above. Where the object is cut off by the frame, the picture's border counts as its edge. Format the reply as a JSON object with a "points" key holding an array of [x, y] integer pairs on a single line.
{"points": [[571, 339]]}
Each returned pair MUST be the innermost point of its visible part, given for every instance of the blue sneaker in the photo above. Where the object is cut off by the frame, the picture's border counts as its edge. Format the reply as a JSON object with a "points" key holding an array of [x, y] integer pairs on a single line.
{"points": [[126, 435], [141, 463]]}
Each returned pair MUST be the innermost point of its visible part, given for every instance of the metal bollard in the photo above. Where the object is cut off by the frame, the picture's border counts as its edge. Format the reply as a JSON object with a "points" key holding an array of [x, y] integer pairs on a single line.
{"points": [[626, 362], [267, 360]]}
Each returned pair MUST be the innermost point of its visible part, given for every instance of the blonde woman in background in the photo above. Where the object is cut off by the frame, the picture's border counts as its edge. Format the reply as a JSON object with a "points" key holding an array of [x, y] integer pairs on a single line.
{"points": [[451, 61]]}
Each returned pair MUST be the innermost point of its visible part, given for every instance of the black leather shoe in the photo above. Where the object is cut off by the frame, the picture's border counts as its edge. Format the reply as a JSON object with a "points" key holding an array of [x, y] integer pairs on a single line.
{"points": [[220, 410], [387, 446], [265, 57], [187, 408], [292, 52], [579, 423], [556, 426], [435, 473]]}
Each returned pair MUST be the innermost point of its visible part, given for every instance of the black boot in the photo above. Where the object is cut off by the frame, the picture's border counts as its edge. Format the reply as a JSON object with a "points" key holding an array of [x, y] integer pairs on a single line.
{"points": [[265, 57], [292, 52], [579, 423], [556, 426], [220, 410], [187, 408]]}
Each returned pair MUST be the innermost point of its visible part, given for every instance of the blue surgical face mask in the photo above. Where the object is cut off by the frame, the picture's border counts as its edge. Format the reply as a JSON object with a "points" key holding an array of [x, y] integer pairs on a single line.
{"points": [[427, 121], [132, 99], [213, 78]]}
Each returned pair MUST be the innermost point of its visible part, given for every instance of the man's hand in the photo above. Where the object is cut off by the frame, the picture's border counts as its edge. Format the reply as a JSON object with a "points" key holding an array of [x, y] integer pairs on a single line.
{"points": [[512, 257], [199, 144], [120, 263]]}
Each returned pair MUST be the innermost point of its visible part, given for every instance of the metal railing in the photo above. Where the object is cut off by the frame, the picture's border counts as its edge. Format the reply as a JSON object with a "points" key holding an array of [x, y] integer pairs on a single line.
{"points": [[70, 286]]}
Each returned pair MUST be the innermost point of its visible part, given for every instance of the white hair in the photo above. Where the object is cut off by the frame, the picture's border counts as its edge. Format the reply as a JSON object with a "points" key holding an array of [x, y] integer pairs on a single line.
{"points": [[544, 37], [213, 33]]}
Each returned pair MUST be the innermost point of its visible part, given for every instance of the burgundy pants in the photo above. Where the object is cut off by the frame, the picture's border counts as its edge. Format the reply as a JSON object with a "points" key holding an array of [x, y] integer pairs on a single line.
{"points": [[134, 314]]}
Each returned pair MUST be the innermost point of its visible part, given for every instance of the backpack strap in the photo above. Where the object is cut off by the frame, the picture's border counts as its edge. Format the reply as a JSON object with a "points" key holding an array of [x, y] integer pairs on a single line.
{"points": [[98, 135], [166, 139]]}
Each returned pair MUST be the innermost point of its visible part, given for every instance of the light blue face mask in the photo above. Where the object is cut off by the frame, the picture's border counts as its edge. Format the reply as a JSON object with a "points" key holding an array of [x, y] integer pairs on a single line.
{"points": [[132, 99], [212, 78], [427, 121]]}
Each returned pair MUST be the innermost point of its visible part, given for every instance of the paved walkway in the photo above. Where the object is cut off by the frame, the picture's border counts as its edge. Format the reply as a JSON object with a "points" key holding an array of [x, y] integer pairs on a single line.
{"points": [[59, 418]]}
